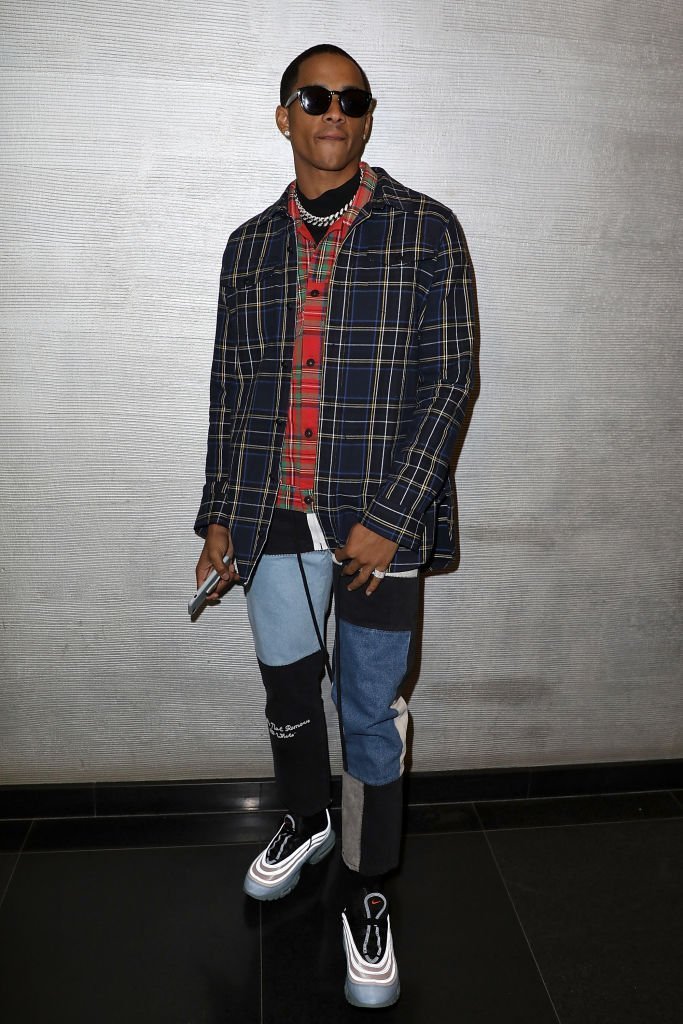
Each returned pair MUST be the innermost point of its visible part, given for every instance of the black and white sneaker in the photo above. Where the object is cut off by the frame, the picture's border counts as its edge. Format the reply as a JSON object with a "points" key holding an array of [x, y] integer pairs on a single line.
{"points": [[371, 968], [276, 870]]}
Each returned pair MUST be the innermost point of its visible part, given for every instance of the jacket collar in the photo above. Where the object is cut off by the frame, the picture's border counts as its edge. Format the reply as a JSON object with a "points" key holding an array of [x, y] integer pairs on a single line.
{"points": [[388, 192]]}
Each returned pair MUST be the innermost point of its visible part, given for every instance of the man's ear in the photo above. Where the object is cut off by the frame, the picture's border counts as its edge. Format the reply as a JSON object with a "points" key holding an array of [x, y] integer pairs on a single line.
{"points": [[282, 119]]}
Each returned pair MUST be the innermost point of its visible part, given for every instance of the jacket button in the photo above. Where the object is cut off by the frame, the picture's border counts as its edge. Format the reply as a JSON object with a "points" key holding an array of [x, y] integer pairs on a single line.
{"points": [[315, 293], [310, 362], [308, 432], [280, 420], [308, 499], [283, 364]]}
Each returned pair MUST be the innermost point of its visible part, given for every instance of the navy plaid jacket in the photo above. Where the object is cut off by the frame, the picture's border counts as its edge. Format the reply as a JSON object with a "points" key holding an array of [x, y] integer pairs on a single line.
{"points": [[395, 376]]}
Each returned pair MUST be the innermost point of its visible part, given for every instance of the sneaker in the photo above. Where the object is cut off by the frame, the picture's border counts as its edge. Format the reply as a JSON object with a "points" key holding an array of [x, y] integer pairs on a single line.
{"points": [[371, 969], [276, 870]]}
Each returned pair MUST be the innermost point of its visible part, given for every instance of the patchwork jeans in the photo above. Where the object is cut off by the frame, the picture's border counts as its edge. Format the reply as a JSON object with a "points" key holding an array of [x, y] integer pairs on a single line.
{"points": [[373, 652]]}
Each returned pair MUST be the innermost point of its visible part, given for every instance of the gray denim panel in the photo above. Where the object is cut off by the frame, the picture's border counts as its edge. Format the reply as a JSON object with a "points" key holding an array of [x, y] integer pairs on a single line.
{"points": [[401, 724], [371, 825], [353, 796]]}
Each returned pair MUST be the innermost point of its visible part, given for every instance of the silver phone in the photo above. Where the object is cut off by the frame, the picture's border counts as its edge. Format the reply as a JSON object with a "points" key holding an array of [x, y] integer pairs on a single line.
{"points": [[207, 587]]}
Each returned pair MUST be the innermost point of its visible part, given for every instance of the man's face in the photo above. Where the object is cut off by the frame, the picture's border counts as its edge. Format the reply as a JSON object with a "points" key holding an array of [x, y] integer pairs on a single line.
{"points": [[330, 141]]}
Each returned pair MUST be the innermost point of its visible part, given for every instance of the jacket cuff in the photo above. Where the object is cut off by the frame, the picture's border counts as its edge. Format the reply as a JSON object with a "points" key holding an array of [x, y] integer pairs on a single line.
{"points": [[393, 523], [211, 509]]}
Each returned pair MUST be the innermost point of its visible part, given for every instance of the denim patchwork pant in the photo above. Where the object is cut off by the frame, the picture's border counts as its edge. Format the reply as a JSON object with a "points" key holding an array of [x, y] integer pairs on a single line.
{"points": [[373, 652]]}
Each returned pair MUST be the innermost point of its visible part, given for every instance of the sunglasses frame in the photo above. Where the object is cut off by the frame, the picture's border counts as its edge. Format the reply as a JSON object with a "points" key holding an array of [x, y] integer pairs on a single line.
{"points": [[330, 93]]}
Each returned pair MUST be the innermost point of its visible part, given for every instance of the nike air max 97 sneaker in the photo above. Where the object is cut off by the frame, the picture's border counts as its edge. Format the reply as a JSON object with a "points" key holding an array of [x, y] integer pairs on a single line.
{"points": [[371, 969], [276, 870]]}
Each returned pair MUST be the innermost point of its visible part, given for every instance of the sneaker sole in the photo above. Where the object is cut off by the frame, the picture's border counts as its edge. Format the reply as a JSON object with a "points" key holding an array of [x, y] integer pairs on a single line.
{"points": [[371, 997], [275, 892]]}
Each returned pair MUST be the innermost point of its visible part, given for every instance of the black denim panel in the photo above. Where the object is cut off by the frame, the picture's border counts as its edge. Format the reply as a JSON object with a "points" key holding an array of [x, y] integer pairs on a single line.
{"points": [[298, 733], [393, 606]]}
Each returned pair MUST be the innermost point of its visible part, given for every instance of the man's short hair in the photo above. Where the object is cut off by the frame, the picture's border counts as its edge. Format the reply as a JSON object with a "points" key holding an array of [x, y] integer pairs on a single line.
{"points": [[292, 71]]}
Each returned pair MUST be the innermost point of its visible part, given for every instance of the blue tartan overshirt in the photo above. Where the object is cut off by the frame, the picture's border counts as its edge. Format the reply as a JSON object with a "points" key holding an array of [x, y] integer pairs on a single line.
{"points": [[395, 377]]}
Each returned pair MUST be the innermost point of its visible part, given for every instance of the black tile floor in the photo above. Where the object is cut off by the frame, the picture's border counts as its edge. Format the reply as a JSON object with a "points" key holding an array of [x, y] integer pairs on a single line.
{"points": [[534, 911]]}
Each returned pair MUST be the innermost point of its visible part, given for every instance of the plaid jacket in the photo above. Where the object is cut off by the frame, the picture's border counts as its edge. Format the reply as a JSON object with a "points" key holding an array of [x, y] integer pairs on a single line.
{"points": [[395, 377]]}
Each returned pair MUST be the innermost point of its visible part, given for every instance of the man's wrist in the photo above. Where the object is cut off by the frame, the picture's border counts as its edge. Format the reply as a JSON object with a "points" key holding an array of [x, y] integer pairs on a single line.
{"points": [[217, 528]]}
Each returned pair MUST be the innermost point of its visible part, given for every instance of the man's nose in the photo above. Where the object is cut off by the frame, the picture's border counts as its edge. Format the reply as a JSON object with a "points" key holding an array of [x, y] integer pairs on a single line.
{"points": [[334, 112]]}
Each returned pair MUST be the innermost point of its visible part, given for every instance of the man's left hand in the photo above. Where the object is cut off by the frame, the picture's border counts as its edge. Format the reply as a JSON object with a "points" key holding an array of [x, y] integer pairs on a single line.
{"points": [[366, 551]]}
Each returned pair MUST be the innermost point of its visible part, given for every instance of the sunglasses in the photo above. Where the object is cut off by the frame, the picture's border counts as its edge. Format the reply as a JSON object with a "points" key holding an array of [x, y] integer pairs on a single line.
{"points": [[316, 99]]}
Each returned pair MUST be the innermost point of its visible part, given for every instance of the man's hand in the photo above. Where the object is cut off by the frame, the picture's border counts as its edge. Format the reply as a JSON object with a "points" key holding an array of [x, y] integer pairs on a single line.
{"points": [[217, 544], [366, 551]]}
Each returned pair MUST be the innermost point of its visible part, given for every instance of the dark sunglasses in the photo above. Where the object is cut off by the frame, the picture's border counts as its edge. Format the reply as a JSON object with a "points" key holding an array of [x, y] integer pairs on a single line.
{"points": [[316, 99]]}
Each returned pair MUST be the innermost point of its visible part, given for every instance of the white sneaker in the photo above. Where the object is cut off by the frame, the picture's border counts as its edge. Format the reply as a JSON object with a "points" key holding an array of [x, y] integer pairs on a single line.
{"points": [[371, 969], [276, 870]]}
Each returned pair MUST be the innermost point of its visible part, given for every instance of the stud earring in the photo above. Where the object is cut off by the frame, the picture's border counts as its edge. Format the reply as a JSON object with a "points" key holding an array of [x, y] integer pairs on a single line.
{"points": [[287, 134]]}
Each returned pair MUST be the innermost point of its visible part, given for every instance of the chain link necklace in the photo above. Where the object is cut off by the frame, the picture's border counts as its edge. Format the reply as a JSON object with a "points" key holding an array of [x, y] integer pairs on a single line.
{"points": [[320, 222]]}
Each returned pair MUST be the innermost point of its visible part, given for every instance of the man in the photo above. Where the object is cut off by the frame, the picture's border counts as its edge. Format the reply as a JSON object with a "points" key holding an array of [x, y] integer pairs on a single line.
{"points": [[339, 382]]}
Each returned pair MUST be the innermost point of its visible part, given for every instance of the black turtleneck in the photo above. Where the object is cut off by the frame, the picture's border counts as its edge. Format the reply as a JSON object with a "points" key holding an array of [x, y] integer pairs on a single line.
{"points": [[329, 202]]}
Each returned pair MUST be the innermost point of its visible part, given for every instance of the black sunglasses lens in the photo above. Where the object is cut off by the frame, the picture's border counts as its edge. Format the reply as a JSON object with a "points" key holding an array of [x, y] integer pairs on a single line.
{"points": [[355, 102], [314, 99]]}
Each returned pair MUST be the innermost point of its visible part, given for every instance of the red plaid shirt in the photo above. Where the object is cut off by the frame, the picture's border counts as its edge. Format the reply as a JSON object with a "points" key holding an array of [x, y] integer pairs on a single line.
{"points": [[314, 269]]}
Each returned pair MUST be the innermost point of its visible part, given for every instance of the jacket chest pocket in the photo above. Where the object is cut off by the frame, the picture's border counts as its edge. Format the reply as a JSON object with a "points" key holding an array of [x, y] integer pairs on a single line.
{"points": [[376, 268], [390, 270], [254, 289], [257, 304], [389, 287]]}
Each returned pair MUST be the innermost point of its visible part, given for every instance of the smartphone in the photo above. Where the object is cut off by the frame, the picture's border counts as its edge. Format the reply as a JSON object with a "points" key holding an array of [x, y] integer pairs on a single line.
{"points": [[207, 587]]}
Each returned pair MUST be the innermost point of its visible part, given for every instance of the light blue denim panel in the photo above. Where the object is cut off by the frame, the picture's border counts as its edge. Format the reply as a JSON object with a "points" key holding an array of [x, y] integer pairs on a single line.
{"points": [[278, 610], [373, 666]]}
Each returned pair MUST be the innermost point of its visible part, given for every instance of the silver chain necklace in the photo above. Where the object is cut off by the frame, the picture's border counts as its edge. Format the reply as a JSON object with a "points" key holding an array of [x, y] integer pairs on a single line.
{"points": [[320, 222]]}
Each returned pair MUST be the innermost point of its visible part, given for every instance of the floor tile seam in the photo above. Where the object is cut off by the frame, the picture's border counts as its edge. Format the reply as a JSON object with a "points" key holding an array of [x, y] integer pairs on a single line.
{"points": [[568, 796], [19, 853], [5, 890], [150, 784], [441, 803], [139, 816], [582, 824], [602, 792], [522, 929], [258, 843], [531, 799], [528, 828], [476, 830]]}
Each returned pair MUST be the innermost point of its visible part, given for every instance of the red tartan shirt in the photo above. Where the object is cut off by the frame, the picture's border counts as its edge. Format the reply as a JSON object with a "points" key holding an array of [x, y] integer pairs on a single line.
{"points": [[314, 269]]}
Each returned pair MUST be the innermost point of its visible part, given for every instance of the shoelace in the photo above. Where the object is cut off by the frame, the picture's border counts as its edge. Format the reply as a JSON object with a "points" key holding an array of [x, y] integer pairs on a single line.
{"points": [[378, 941], [373, 929], [281, 842]]}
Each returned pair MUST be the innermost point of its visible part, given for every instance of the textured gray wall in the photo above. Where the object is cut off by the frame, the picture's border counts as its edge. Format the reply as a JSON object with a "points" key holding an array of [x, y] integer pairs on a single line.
{"points": [[134, 137]]}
